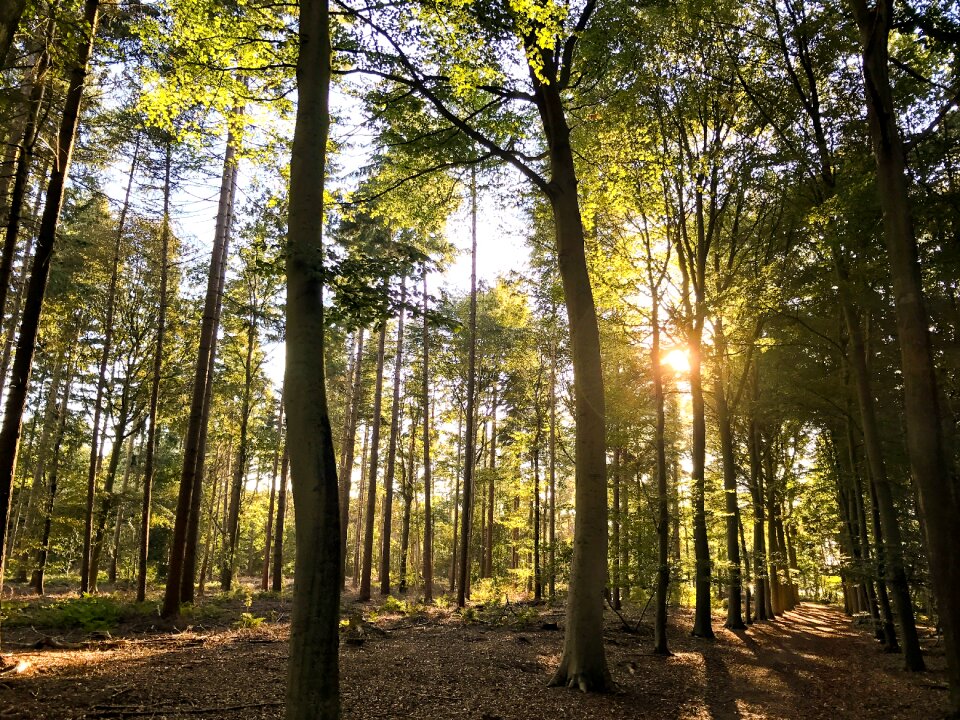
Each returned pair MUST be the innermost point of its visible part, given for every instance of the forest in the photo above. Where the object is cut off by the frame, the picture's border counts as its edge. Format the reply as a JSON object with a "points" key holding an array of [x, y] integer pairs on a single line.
{"points": [[489, 359]]}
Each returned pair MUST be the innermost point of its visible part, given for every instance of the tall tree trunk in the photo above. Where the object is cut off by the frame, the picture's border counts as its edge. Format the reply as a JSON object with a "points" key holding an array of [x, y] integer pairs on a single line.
{"points": [[265, 572], [196, 498], [277, 584], [24, 154], [537, 578], [151, 449], [583, 663], [243, 461], [88, 571], [46, 239], [756, 491], [349, 446], [469, 456], [889, 539], [488, 558], [392, 450], [553, 470], [616, 519], [456, 505], [313, 670], [427, 477], [358, 525], [370, 513], [660, 646], [930, 466], [725, 426], [409, 483], [189, 481]]}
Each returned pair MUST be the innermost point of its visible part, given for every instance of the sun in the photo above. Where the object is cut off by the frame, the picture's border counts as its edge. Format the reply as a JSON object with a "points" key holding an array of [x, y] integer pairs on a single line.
{"points": [[677, 359]]}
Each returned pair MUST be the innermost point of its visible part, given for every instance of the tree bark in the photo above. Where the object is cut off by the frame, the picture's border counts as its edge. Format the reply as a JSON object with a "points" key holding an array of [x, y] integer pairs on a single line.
{"points": [[189, 481], [370, 513], [427, 477], [388, 479], [46, 239], [349, 447], [313, 670], [10, 14], [265, 572], [277, 583], [469, 457], [934, 474], [151, 449]]}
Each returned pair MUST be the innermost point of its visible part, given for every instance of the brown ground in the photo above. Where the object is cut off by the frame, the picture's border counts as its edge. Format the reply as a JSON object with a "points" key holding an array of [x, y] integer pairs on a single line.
{"points": [[810, 664]]}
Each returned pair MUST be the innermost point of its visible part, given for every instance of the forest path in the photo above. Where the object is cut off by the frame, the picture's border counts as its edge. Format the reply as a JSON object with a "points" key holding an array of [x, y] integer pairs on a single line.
{"points": [[811, 664]]}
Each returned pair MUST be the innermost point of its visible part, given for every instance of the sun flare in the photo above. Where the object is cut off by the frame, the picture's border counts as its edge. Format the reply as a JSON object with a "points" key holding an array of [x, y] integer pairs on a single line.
{"points": [[677, 360]]}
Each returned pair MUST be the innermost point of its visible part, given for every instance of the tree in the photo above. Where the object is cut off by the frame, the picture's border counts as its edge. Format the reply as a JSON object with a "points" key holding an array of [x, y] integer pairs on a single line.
{"points": [[313, 675]]}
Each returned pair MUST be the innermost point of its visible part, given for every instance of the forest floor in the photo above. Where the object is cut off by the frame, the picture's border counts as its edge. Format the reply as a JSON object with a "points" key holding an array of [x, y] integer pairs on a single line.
{"points": [[492, 663]]}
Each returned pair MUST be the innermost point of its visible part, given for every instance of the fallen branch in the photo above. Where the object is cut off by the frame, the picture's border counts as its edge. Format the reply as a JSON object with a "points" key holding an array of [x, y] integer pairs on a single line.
{"points": [[132, 711]]}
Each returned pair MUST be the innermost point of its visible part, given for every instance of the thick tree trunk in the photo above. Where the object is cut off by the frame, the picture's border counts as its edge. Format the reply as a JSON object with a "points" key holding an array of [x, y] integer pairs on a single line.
{"points": [[930, 466], [313, 669], [189, 481], [10, 15], [370, 513], [702, 622], [46, 239], [583, 663], [469, 456], [151, 449], [392, 450], [427, 477]]}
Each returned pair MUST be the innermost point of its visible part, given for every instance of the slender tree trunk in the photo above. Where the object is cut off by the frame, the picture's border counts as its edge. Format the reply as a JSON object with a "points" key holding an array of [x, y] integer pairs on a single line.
{"points": [[537, 578], [491, 487], [313, 670], [358, 525], [46, 239], [725, 425], [427, 477], [371, 510], [553, 471], [265, 572], [88, 569], [189, 482], [151, 449], [456, 505], [469, 458], [759, 544], [616, 528], [392, 451], [243, 461], [889, 540], [277, 584], [349, 445], [934, 474]]}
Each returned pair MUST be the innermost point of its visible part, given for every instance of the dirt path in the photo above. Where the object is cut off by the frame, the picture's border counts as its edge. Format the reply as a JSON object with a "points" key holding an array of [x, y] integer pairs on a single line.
{"points": [[811, 664]]}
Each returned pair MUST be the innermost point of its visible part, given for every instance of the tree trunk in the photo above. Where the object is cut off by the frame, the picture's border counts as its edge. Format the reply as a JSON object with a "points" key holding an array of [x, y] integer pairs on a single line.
{"points": [[553, 470], [456, 505], [265, 572], [427, 478], [313, 670], [151, 449], [118, 524], [934, 474], [491, 487], [392, 451], [88, 568], [759, 544], [889, 540], [583, 663], [349, 446], [469, 456], [46, 239], [277, 584], [370, 513], [243, 461], [189, 482], [616, 528], [725, 426], [358, 525]]}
